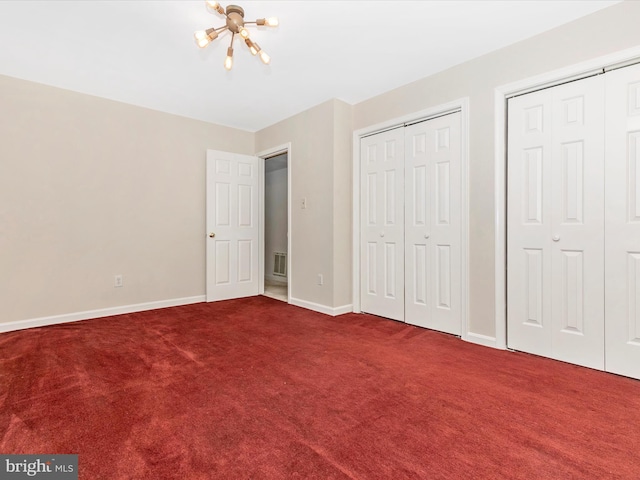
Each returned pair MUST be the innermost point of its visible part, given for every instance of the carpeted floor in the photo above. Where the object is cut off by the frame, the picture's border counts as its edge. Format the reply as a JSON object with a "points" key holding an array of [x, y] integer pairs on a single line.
{"points": [[258, 389]]}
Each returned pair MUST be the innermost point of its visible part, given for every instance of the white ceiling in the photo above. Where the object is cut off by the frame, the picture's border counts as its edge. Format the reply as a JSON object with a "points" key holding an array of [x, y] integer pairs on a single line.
{"points": [[143, 52]]}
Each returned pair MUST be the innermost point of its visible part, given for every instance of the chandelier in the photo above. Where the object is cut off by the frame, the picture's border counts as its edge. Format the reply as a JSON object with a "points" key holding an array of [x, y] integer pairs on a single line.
{"points": [[236, 25]]}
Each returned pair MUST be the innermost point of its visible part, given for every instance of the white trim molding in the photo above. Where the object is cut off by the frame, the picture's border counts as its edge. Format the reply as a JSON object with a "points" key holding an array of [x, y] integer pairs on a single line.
{"points": [[501, 95], [316, 307], [461, 105], [103, 312]]}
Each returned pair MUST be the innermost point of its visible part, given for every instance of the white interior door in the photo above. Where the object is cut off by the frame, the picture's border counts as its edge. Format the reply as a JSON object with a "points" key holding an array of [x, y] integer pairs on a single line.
{"points": [[382, 224], [622, 270], [432, 224], [555, 234], [233, 200]]}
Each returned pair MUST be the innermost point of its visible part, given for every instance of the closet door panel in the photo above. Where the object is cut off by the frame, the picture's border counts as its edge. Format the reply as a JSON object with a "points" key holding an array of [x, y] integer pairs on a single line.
{"points": [[529, 241], [419, 278], [555, 215], [577, 222], [382, 224], [432, 227], [622, 252]]}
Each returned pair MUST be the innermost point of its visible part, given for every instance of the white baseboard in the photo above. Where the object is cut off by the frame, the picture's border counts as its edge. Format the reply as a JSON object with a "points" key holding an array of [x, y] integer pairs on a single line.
{"points": [[479, 339], [342, 310], [316, 307], [104, 312]]}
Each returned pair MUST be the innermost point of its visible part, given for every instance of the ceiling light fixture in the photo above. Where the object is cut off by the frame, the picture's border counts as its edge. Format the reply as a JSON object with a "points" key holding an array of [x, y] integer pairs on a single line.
{"points": [[236, 25]]}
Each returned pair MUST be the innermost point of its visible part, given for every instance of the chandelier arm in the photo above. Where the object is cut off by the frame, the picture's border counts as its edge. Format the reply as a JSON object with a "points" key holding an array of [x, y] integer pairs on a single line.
{"points": [[220, 29], [233, 36]]}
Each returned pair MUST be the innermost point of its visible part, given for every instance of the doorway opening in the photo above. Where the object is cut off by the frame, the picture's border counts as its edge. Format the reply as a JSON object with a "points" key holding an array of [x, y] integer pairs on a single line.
{"points": [[276, 232]]}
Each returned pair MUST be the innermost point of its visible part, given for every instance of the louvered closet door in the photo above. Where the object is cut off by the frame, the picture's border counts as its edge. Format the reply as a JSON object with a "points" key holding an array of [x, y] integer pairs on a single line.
{"points": [[555, 233], [622, 270], [382, 224], [432, 224]]}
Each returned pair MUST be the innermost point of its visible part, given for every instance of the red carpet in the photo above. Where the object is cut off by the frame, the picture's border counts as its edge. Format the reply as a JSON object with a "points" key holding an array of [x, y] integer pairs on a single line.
{"points": [[256, 389]]}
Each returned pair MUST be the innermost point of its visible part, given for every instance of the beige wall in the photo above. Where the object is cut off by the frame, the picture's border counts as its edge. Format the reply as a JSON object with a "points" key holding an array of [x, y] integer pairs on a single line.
{"points": [[90, 188], [610, 30], [318, 154], [342, 203]]}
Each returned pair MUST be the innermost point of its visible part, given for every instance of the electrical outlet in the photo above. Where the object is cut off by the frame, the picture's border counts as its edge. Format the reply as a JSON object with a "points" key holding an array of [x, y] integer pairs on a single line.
{"points": [[303, 203], [118, 281], [320, 279]]}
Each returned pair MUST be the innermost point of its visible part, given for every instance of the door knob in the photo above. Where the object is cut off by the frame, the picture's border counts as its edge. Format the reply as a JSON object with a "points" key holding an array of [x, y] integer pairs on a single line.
{"points": [[556, 238], [426, 235], [211, 235], [382, 234]]}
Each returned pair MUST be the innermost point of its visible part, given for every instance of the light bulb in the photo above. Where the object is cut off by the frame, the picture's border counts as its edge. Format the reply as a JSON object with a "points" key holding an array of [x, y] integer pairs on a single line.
{"points": [[244, 33], [205, 37], [272, 22], [264, 57], [253, 47], [228, 62], [214, 6], [203, 42]]}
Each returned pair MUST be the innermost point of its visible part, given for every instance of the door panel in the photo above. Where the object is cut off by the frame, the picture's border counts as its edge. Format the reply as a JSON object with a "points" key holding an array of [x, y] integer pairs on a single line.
{"points": [[382, 224], [528, 236], [577, 222], [232, 215], [433, 227], [622, 266], [555, 237]]}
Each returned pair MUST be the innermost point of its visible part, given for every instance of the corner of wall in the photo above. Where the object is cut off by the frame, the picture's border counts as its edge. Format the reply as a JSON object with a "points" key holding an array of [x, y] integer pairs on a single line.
{"points": [[342, 203]]}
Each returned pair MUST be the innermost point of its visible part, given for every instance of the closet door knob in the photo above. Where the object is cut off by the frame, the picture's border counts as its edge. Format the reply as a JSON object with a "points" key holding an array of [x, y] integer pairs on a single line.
{"points": [[211, 235], [382, 234], [426, 235], [556, 238]]}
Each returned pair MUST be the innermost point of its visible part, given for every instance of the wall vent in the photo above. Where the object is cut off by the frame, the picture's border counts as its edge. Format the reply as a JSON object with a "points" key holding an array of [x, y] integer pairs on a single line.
{"points": [[280, 264]]}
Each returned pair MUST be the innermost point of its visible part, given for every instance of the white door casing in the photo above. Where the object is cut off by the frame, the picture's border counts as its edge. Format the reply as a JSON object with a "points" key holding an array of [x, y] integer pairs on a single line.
{"points": [[555, 234], [622, 253], [382, 224], [433, 224], [233, 225]]}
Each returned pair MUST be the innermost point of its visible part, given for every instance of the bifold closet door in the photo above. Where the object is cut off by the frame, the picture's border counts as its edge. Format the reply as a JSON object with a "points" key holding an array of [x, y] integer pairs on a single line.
{"points": [[382, 224], [432, 224], [555, 223], [622, 253]]}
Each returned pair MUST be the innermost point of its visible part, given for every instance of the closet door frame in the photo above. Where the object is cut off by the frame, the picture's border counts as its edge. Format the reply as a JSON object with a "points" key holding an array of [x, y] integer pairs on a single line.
{"points": [[460, 105], [501, 95]]}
